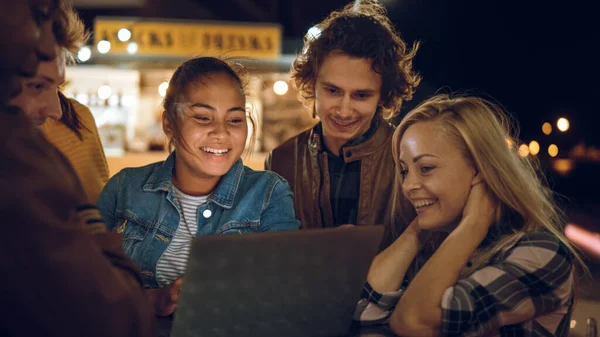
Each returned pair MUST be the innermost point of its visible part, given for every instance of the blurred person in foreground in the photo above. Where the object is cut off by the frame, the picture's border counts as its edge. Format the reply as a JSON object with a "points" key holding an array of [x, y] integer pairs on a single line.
{"points": [[67, 124], [354, 75], [63, 274]]}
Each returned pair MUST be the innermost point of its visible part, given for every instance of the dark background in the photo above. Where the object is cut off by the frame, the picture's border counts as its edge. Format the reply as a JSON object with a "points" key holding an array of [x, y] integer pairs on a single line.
{"points": [[538, 59]]}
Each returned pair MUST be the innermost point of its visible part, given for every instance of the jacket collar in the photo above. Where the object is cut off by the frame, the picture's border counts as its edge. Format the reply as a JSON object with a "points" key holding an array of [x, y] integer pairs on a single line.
{"points": [[365, 145], [223, 195], [160, 180]]}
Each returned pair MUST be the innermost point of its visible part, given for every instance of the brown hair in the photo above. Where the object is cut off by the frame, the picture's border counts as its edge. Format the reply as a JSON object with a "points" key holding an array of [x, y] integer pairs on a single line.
{"points": [[69, 31], [69, 115], [186, 74], [70, 35], [362, 31]]}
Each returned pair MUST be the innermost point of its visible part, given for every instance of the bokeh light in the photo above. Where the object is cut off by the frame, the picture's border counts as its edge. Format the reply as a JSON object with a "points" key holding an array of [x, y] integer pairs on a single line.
{"points": [[103, 46], [553, 150], [523, 150], [124, 34], [162, 89], [132, 47], [534, 148], [314, 32], [563, 124], [104, 92], [547, 128], [280, 87], [84, 54]]}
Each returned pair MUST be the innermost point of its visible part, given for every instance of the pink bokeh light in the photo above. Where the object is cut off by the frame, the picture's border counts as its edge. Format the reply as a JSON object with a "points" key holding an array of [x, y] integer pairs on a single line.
{"points": [[586, 240]]}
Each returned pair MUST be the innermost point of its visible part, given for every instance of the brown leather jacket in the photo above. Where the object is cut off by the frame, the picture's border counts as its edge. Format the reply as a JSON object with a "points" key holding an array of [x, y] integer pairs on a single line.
{"points": [[302, 161]]}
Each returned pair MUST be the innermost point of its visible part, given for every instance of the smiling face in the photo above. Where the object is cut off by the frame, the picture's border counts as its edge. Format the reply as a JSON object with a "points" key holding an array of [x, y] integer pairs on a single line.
{"points": [[437, 177], [39, 96], [213, 125], [347, 92]]}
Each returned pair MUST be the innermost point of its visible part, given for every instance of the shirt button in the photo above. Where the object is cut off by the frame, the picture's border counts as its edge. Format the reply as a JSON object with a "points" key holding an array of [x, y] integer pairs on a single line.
{"points": [[207, 213], [348, 154]]}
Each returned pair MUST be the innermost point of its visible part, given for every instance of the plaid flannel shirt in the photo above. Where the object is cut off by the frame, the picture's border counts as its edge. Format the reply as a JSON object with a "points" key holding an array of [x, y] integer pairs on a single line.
{"points": [[525, 290]]}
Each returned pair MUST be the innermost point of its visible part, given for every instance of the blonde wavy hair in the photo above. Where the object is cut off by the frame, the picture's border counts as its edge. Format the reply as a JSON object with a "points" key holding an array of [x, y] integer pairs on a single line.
{"points": [[484, 133]]}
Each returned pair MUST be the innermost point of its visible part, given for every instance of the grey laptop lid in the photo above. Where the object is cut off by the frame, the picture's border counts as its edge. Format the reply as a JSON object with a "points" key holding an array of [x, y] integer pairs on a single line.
{"points": [[300, 283]]}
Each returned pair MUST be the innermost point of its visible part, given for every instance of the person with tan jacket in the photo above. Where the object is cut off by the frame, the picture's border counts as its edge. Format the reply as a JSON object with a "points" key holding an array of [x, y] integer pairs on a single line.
{"points": [[354, 75]]}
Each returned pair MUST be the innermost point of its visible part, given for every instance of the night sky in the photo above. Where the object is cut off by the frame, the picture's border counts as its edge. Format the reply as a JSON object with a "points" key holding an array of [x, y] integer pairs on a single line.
{"points": [[537, 59]]}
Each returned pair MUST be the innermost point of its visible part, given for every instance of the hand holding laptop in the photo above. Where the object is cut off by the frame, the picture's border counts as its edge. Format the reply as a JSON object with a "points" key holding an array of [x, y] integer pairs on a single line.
{"points": [[164, 300]]}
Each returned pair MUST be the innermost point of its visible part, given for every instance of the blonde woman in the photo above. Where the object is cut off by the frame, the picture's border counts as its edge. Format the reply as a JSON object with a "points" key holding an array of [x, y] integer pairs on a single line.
{"points": [[485, 255]]}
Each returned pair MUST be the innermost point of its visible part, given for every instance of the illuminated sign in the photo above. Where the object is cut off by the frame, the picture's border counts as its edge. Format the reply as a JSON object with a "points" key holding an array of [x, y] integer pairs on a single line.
{"points": [[155, 38]]}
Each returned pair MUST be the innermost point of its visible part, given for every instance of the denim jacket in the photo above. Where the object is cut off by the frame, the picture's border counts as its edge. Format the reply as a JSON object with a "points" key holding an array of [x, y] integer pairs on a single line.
{"points": [[139, 203]]}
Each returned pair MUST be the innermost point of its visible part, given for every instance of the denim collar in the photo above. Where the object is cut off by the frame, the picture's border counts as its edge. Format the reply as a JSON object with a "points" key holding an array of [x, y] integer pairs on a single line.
{"points": [[223, 195]]}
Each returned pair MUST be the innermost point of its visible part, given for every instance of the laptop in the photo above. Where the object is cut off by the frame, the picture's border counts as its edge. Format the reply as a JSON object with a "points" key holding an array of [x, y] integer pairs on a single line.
{"points": [[296, 283]]}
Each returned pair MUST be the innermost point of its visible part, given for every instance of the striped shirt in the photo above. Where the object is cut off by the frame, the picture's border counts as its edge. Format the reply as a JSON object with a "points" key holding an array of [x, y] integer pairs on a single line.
{"points": [[172, 264], [525, 290]]}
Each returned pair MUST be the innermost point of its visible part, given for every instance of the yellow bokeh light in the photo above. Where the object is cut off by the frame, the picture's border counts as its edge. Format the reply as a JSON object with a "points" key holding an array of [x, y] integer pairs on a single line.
{"points": [[563, 124], [547, 128], [563, 166], [523, 150], [509, 142], [553, 150], [534, 148]]}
